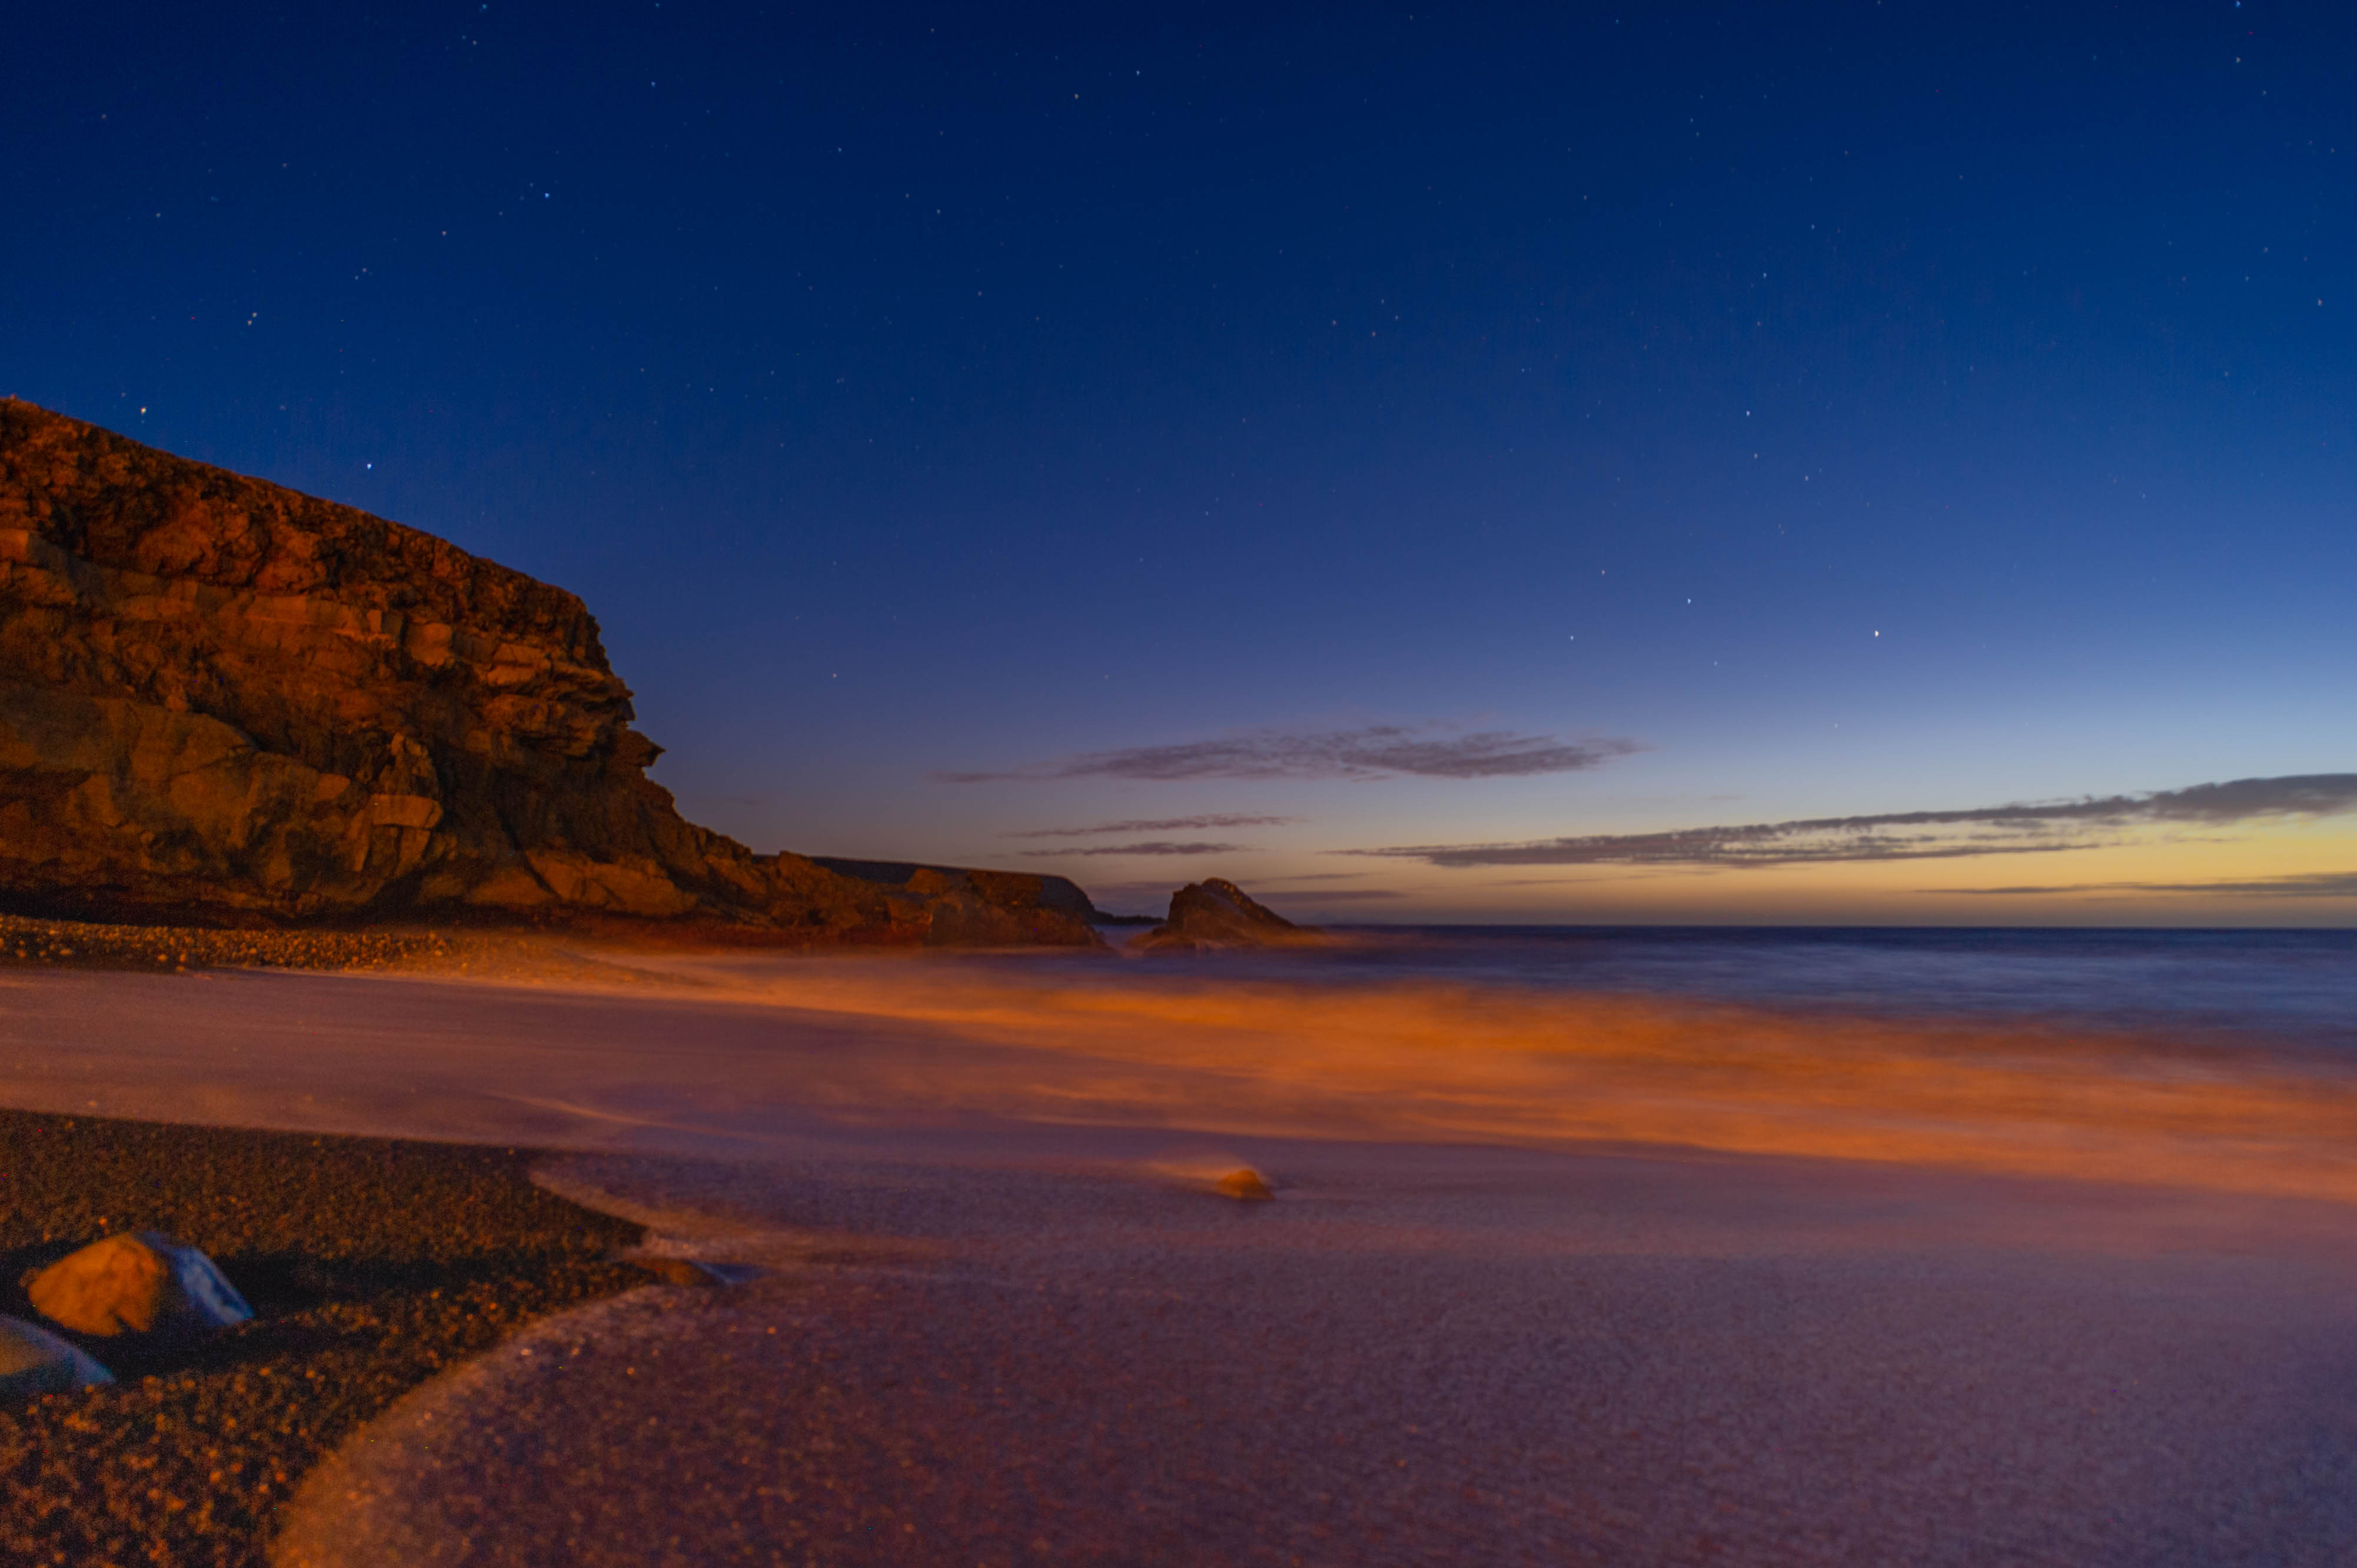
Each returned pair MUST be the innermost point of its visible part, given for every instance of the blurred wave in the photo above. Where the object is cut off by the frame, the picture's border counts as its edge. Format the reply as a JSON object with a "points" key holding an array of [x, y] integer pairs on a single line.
{"points": [[2201, 1059], [2272, 986], [2213, 1061]]}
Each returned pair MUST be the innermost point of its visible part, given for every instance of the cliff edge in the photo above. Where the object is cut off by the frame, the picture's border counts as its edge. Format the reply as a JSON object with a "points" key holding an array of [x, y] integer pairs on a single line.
{"points": [[221, 700]]}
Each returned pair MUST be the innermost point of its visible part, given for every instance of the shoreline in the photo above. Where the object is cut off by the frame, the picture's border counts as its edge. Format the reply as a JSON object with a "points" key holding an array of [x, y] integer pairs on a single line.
{"points": [[29, 943], [670, 1052], [502, 1416], [1408, 1356]]}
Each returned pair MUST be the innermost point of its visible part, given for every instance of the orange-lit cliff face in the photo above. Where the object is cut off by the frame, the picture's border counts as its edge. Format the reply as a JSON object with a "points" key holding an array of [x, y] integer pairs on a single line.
{"points": [[220, 698], [224, 694]]}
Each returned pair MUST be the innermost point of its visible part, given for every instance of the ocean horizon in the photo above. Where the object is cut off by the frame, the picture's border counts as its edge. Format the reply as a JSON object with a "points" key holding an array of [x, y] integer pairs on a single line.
{"points": [[2283, 987]]}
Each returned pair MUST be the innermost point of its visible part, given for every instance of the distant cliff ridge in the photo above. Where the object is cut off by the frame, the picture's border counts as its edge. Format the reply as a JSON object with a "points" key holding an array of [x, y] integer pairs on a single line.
{"points": [[1008, 889], [220, 699]]}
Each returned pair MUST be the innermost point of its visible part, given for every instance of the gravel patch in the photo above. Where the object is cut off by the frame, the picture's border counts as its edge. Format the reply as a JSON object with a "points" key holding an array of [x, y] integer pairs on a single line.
{"points": [[372, 1265], [29, 943]]}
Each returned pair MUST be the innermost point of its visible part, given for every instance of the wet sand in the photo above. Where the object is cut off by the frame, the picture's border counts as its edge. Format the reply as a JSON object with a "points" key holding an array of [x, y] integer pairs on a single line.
{"points": [[1411, 1356], [1005, 1319]]}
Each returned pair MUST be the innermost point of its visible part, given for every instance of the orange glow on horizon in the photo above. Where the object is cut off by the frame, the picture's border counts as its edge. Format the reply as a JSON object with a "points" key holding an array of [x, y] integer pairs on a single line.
{"points": [[2150, 879]]}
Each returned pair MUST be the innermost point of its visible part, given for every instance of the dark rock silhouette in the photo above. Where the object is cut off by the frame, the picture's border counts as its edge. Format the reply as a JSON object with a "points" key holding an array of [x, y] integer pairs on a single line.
{"points": [[223, 702], [1011, 890], [1214, 914]]}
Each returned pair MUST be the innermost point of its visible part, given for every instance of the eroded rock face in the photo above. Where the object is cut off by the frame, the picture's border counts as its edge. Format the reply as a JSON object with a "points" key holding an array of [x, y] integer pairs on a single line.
{"points": [[1213, 913], [220, 698]]}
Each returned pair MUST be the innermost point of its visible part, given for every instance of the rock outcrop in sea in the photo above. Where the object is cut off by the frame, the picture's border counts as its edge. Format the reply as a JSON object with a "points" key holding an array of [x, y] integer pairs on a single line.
{"points": [[223, 700], [1216, 913]]}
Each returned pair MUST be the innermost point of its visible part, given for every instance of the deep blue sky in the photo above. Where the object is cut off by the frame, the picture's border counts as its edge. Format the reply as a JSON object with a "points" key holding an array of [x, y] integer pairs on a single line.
{"points": [[917, 391]]}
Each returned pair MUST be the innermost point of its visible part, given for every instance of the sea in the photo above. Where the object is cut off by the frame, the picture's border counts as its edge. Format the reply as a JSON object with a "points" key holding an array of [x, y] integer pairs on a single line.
{"points": [[2279, 988]]}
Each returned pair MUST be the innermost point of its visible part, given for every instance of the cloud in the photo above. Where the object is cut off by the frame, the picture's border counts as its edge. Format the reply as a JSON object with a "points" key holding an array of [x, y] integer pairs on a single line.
{"points": [[2299, 795], [1376, 751], [1161, 825], [1151, 846], [2303, 885], [2017, 829], [1614, 877], [1329, 894]]}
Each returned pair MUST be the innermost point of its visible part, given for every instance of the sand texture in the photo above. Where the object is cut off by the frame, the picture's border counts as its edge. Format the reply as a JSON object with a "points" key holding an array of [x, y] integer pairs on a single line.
{"points": [[1410, 1357]]}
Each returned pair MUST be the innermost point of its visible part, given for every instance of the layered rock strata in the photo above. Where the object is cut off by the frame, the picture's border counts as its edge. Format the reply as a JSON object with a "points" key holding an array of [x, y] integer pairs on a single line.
{"points": [[222, 700]]}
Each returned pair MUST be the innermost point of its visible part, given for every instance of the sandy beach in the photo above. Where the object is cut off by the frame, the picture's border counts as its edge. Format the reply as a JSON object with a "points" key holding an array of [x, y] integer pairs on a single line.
{"points": [[1414, 1355], [995, 1313], [1284, 786]]}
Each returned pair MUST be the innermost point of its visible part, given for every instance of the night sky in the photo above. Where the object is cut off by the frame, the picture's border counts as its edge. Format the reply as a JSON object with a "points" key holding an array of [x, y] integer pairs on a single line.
{"points": [[1622, 463]]}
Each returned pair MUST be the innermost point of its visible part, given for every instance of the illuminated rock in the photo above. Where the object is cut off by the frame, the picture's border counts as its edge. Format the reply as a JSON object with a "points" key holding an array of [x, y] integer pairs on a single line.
{"points": [[1245, 1184], [685, 1272], [140, 1283]]}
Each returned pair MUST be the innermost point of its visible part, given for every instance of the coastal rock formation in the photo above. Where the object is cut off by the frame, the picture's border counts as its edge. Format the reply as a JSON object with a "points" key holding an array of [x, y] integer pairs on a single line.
{"points": [[221, 700], [974, 908], [1214, 914], [138, 1282]]}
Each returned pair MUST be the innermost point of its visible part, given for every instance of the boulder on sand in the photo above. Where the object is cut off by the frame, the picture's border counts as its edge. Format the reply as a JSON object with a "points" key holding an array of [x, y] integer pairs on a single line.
{"points": [[35, 1361], [140, 1282], [1215, 913]]}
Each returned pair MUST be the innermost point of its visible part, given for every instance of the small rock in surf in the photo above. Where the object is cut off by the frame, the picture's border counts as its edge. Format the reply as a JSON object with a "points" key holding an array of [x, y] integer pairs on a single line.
{"points": [[1245, 1186]]}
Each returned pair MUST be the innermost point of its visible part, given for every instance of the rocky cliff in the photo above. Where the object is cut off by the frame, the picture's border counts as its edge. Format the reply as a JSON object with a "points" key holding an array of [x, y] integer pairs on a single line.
{"points": [[221, 700]]}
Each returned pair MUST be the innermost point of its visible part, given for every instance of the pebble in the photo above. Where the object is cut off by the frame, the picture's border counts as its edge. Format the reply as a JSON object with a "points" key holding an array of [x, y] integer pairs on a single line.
{"points": [[372, 1265], [1245, 1185], [35, 1361]]}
